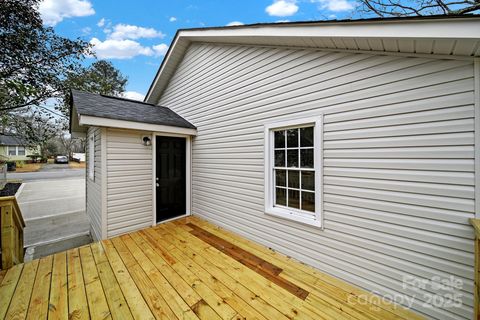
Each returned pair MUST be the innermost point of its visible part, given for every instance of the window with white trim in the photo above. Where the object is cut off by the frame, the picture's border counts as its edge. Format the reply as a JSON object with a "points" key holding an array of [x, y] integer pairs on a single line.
{"points": [[91, 157], [12, 150], [292, 174], [20, 151]]}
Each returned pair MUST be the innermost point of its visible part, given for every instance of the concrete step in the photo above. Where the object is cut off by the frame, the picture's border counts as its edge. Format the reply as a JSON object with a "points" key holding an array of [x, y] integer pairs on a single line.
{"points": [[44, 230], [59, 245]]}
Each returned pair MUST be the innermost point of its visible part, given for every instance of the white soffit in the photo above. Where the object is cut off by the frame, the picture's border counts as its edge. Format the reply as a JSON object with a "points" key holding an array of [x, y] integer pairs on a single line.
{"points": [[448, 37]]}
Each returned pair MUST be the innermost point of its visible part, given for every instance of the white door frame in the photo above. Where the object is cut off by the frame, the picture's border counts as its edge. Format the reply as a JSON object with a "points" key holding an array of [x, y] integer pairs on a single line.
{"points": [[188, 174]]}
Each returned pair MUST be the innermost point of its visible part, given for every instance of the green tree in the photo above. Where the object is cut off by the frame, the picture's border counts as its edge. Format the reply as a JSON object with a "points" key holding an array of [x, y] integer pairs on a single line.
{"points": [[34, 61], [100, 77]]}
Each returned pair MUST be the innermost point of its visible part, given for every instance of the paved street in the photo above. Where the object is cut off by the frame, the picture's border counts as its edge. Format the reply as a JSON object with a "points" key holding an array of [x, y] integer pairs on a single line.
{"points": [[49, 171], [52, 202]]}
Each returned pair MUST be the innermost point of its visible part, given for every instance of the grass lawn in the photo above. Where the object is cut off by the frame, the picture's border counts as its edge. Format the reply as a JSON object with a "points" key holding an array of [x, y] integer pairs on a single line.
{"points": [[76, 165], [29, 167]]}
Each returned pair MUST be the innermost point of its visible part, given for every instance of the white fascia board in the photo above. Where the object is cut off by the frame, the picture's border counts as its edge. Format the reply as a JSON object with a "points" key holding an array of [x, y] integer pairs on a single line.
{"points": [[165, 64], [123, 124], [419, 29]]}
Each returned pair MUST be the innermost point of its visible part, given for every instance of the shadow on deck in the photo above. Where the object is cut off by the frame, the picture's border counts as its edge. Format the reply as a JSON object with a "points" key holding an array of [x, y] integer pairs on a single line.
{"points": [[186, 269]]}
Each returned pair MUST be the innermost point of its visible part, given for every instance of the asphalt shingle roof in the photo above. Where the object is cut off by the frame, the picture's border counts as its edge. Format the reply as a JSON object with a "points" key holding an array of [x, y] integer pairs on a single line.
{"points": [[103, 106], [6, 140]]}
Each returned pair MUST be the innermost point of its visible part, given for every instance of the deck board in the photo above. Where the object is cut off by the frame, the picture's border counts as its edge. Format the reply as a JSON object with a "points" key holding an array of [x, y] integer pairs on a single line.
{"points": [[77, 298], [58, 304], [7, 288], [21, 298], [184, 269], [229, 296], [38, 308], [97, 302]]}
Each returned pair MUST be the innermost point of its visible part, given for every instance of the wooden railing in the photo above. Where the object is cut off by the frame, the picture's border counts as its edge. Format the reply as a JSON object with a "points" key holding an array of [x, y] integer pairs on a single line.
{"points": [[11, 226], [476, 226]]}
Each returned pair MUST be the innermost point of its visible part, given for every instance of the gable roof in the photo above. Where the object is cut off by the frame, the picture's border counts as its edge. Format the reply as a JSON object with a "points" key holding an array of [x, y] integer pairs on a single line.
{"points": [[115, 108], [445, 36], [6, 140]]}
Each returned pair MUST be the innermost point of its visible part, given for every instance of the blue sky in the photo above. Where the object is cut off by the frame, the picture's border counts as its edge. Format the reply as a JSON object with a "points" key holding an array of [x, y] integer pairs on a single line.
{"points": [[134, 35]]}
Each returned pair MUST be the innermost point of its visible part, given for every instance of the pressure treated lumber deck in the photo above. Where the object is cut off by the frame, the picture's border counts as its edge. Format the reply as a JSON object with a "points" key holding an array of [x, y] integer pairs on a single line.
{"points": [[187, 269]]}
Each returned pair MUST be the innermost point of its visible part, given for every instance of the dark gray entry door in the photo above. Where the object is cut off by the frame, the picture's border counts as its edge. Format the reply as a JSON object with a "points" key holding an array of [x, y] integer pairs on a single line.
{"points": [[171, 177]]}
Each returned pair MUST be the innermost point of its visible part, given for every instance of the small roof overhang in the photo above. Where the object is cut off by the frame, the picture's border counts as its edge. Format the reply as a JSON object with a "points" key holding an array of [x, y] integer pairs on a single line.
{"points": [[88, 109], [446, 36]]}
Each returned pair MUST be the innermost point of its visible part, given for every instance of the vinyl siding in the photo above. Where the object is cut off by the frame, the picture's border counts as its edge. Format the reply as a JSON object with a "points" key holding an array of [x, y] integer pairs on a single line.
{"points": [[129, 182], [398, 159], [94, 187]]}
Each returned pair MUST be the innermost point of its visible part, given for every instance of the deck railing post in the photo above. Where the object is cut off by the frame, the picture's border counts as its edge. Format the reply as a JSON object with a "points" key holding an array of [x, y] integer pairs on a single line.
{"points": [[11, 225]]}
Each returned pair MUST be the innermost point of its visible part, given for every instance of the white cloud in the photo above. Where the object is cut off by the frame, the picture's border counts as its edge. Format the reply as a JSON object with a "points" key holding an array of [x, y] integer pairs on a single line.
{"points": [[281, 21], [101, 23], [133, 95], [86, 31], [282, 8], [54, 11], [125, 49], [172, 19], [160, 49], [119, 49], [335, 5], [235, 23], [126, 31]]}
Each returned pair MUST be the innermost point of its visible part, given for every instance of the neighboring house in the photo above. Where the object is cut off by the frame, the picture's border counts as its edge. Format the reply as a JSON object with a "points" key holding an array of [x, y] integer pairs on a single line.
{"points": [[349, 145], [13, 148]]}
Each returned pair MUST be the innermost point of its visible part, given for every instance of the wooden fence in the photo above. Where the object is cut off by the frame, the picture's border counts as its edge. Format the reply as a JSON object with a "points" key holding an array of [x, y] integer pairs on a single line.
{"points": [[11, 226]]}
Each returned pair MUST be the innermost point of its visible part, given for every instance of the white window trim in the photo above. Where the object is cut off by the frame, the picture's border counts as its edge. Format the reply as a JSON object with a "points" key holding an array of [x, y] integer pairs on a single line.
{"points": [[288, 213], [91, 157], [12, 147]]}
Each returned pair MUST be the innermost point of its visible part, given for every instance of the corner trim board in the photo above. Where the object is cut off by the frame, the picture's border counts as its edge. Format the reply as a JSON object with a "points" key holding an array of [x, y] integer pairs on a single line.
{"points": [[476, 68], [103, 151]]}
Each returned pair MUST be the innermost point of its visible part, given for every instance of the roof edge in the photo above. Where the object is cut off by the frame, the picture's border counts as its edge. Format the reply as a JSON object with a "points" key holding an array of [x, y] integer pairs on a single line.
{"points": [[190, 33], [341, 21]]}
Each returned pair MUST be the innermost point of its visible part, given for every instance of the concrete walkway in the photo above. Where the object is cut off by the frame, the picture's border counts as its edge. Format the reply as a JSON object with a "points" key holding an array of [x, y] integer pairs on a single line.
{"points": [[54, 213]]}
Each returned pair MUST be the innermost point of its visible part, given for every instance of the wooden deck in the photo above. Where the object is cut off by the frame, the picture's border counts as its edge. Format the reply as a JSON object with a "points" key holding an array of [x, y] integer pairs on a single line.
{"points": [[187, 269]]}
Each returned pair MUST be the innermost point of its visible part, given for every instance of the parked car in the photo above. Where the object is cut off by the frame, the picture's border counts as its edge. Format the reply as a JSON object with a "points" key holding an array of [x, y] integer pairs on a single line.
{"points": [[61, 159]]}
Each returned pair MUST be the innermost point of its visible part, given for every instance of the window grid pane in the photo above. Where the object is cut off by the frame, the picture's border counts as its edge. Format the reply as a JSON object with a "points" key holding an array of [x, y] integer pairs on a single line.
{"points": [[295, 146]]}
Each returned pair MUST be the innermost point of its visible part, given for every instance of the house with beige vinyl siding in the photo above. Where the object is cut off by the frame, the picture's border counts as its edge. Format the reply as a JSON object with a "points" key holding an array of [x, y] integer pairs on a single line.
{"points": [[348, 145], [14, 148]]}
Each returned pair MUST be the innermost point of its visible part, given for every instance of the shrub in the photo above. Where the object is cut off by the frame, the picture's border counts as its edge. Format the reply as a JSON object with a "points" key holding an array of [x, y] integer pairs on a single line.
{"points": [[20, 164]]}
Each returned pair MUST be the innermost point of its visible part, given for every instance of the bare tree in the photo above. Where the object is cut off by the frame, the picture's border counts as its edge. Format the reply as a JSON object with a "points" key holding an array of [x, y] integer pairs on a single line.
{"points": [[68, 144], [402, 8], [37, 130]]}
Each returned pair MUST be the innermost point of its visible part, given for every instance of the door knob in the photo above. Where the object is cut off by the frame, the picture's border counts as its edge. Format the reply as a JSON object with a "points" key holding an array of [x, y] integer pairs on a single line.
{"points": [[158, 185]]}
